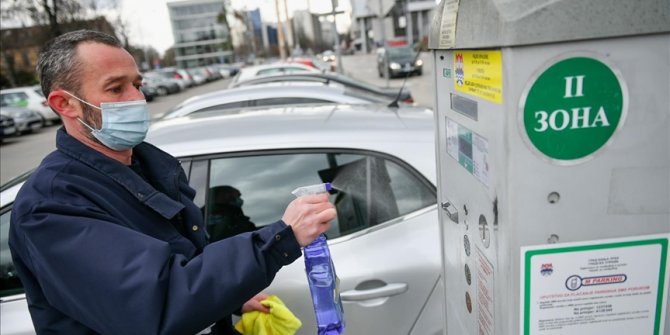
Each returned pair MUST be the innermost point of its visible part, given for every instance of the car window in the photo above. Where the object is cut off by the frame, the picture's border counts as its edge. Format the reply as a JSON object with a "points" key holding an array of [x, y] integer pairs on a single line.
{"points": [[38, 91], [366, 95], [230, 105], [9, 280], [280, 70], [18, 99], [370, 189], [289, 101], [400, 52]]}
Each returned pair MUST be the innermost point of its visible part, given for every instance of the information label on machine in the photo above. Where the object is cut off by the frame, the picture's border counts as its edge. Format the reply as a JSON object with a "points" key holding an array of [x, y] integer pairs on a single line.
{"points": [[479, 73], [485, 294], [614, 286], [469, 149], [447, 37]]}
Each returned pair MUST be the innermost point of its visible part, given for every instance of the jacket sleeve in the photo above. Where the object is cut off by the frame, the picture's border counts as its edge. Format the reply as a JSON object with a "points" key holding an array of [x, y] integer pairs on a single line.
{"points": [[116, 280]]}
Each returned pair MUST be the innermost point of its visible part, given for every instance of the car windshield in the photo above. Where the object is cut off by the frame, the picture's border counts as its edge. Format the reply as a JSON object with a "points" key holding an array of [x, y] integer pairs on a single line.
{"points": [[400, 52]]}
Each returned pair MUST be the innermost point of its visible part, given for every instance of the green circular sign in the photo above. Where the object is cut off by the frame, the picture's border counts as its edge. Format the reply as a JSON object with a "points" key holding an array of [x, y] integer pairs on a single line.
{"points": [[573, 108]]}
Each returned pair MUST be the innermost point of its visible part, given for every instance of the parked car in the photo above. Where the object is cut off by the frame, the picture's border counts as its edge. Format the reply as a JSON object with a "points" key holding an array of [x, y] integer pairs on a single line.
{"points": [[198, 76], [275, 94], [25, 120], [162, 85], [150, 92], [313, 62], [7, 127], [385, 240], [402, 60], [181, 76], [167, 76], [226, 70], [270, 69], [206, 73], [329, 78], [29, 97]]}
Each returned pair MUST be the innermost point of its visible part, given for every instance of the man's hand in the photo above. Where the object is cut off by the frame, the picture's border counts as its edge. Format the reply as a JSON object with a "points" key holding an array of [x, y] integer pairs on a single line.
{"points": [[309, 216], [254, 304]]}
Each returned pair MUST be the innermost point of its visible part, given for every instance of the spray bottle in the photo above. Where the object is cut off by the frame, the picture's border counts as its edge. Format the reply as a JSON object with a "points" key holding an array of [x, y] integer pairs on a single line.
{"points": [[323, 282]]}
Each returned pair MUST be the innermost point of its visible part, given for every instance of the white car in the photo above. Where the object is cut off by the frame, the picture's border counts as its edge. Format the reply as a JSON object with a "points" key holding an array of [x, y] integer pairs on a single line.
{"points": [[385, 241], [249, 72], [30, 97], [269, 95]]}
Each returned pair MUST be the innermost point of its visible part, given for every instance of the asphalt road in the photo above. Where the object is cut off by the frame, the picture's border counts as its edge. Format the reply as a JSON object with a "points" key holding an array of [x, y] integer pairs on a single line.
{"points": [[20, 154]]}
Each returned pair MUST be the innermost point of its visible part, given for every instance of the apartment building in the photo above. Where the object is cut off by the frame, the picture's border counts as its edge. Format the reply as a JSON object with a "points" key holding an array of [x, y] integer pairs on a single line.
{"points": [[200, 38]]}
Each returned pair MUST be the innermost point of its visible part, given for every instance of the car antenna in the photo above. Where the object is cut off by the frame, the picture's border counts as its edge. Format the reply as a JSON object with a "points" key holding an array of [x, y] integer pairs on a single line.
{"points": [[394, 103]]}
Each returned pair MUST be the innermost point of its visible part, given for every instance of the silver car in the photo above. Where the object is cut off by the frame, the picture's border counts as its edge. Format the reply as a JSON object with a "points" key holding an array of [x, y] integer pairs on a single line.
{"points": [[250, 72], [29, 97], [271, 94], [26, 120], [385, 241]]}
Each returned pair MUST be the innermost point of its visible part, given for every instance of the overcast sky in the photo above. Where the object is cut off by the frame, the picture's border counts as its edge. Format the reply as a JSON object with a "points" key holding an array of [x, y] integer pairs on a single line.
{"points": [[149, 21]]}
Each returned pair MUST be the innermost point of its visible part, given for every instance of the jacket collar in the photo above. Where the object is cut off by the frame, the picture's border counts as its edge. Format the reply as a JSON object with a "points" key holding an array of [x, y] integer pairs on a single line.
{"points": [[163, 171]]}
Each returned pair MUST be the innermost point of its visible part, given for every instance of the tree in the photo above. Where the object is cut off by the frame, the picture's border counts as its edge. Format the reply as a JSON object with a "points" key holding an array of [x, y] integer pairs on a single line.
{"points": [[52, 13], [169, 58]]}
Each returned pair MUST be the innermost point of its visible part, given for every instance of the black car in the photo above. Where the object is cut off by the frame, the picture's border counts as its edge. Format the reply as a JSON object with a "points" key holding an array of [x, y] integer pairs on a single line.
{"points": [[400, 60], [149, 92]]}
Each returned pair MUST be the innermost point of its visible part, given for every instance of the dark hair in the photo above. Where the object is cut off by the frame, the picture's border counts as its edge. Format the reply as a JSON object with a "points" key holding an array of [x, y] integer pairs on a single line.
{"points": [[58, 65]]}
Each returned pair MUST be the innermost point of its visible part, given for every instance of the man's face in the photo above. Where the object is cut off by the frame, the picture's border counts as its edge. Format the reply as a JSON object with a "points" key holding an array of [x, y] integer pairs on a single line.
{"points": [[109, 74]]}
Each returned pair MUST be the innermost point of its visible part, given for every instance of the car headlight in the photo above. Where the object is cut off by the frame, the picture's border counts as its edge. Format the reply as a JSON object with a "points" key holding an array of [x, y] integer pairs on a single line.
{"points": [[419, 62], [394, 66]]}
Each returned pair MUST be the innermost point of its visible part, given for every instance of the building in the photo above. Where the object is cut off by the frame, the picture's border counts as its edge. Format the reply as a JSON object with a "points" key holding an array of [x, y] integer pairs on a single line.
{"points": [[21, 46], [407, 20], [311, 33], [200, 38]]}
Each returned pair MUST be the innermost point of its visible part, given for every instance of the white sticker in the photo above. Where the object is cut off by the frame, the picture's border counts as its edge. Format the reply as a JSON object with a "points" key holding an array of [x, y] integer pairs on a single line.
{"points": [[614, 286]]}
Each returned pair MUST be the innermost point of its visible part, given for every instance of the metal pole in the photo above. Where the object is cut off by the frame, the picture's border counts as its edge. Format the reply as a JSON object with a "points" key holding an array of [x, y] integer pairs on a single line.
{"points": [[338, 54], [280, 33], [289, 29], [383, 40]]}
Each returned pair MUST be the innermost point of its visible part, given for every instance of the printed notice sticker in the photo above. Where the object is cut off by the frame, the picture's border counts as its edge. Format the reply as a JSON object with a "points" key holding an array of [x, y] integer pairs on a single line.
{"points": [[596, 287], [447, 38], [479, 73]]}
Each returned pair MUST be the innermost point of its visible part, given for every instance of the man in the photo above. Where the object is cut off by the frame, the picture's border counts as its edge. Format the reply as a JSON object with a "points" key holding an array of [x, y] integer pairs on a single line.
{"points": [[225, 216], [104, 234]]}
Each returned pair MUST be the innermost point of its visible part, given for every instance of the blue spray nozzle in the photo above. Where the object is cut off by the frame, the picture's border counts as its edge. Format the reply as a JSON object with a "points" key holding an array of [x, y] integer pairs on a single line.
{"points": [[312, 189]]}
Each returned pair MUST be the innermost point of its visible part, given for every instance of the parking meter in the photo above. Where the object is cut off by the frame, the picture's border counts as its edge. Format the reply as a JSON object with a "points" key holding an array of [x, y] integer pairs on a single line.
{"points": [[553, 153]]}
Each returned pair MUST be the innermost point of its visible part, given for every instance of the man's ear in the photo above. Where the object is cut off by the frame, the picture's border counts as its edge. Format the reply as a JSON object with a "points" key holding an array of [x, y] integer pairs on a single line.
{"points": [[64, 104]]}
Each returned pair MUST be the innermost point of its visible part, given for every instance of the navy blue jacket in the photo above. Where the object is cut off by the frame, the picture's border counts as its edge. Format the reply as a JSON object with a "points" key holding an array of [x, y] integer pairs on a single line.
{"points": [[100, 250]]}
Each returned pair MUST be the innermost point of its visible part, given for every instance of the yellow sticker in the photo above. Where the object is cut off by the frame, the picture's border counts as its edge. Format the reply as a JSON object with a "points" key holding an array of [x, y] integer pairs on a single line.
{"points": [[479, 73]]}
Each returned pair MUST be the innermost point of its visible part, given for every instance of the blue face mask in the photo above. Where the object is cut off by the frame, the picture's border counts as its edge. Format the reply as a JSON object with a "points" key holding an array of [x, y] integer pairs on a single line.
{"points": [[124, 124]]}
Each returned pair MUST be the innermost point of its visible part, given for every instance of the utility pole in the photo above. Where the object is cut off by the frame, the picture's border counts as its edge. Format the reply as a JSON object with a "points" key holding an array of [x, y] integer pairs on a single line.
{"points": [[280, 34], [383, 40], [338, 54], [289, 25]]}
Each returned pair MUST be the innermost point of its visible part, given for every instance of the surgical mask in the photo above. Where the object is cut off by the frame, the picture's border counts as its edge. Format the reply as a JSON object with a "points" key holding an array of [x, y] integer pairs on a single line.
{"points": [[238, 202], [124, 124]]}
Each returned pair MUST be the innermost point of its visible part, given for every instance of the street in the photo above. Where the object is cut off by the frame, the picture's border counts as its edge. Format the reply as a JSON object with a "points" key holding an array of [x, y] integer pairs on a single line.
{"points": [[20, 154]]}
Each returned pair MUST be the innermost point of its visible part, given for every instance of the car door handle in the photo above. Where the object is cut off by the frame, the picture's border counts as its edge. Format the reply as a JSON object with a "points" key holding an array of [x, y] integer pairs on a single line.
{"points": [[385, 291]]}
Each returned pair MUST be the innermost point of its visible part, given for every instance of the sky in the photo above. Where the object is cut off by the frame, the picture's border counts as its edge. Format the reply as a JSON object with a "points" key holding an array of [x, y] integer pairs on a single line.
{"points": [[149, 22]]}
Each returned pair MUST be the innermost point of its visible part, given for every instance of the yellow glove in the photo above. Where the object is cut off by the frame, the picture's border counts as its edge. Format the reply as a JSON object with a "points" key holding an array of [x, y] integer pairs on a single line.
{"points": [[280, 320]]}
